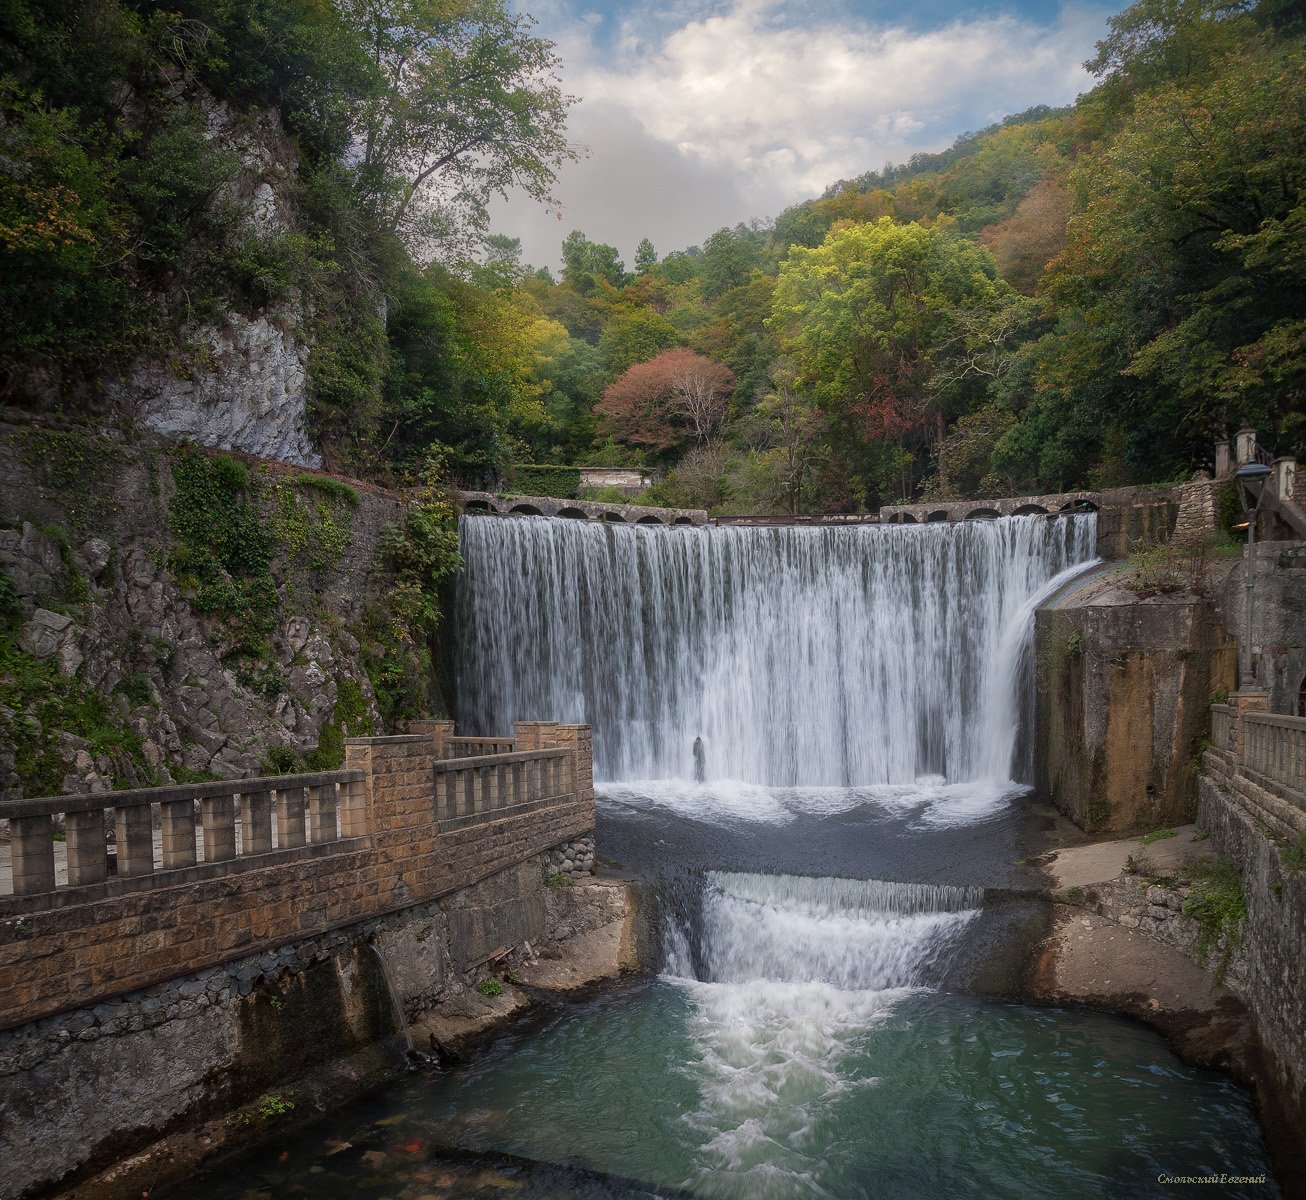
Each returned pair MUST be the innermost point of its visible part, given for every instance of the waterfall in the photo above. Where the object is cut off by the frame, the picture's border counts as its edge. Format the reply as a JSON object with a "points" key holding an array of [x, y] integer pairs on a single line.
{"points": [[800, 656], [851, 934]]}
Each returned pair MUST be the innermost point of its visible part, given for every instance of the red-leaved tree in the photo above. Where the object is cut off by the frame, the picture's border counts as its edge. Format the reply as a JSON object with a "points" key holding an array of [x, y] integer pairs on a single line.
{"points": [[667, 401]]}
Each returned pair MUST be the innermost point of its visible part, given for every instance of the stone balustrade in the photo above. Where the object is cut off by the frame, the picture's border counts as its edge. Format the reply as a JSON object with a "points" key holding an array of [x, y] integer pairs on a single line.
{"points": [[1222, 722], [1257, 760], [175, 829], [211, 873], [461, 747], [1274, 749], [487, 787]]}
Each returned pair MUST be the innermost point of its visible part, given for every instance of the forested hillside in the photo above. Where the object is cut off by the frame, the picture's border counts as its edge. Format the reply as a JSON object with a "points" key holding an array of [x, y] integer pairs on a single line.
{"points": [[1076, 296]]}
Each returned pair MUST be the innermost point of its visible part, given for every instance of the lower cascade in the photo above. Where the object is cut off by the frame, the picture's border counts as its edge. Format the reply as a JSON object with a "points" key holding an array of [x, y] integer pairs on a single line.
{"points": [[812, 656]]}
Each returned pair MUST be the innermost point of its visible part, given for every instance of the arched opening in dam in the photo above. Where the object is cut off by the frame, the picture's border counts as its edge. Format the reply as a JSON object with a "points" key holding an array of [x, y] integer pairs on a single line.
{"points": [[844, 897]]}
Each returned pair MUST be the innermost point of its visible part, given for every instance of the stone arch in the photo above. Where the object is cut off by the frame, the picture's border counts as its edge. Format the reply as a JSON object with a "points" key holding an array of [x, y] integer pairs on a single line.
{"points": [[480, 506], [649, 520], [526, 510], [1029, 510], [982, 514], [612, 516], [906, 519], [1080, 505], [939, 514], [683, 521], [575, 514]]}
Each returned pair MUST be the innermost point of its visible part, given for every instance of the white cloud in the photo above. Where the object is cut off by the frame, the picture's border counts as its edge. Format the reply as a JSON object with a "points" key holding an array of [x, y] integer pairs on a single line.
{"points": [[741, 112]]}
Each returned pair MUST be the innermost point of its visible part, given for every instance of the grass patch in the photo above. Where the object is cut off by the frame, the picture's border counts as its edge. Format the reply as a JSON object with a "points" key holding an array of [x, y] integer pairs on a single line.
{"points": [[1157, 835], [490, 987], [1217, 904]]}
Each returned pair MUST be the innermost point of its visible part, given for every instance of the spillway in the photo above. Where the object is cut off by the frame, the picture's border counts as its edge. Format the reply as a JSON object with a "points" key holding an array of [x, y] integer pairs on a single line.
{"points": [[800, 656]]}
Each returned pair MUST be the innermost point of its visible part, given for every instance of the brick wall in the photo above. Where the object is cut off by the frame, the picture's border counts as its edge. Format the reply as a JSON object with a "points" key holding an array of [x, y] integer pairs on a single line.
{"points": [[77, 952]]}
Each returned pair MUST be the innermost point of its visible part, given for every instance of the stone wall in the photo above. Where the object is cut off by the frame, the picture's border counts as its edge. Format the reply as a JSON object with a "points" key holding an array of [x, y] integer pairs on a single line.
{"points": [[1273, 983], [1122, 708], [309, 1024], [1278, 619], [58, 951]]}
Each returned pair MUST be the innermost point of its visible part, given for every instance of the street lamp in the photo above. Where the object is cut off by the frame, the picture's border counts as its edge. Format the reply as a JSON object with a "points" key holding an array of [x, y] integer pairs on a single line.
{"points": [[1250, 478]]}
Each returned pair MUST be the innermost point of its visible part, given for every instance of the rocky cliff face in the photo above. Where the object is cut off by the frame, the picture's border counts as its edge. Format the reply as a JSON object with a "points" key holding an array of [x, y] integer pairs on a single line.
{"points": [[131, 656], [239, 382]]}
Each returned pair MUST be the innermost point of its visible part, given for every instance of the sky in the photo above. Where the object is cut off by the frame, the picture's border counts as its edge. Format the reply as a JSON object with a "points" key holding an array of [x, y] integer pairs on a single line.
{"points": [[694, 114]]}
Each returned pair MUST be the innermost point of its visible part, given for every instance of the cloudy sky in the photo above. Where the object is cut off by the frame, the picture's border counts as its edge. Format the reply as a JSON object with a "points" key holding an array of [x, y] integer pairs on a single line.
{"points": [[698, 114]]}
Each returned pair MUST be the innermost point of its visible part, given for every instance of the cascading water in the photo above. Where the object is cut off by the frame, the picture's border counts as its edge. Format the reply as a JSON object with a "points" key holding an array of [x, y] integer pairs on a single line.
{"points": [[793, 973], [801, 656]]}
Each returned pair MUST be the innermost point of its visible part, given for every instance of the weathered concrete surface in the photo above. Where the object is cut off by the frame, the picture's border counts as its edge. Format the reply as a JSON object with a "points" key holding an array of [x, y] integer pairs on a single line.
{"points": [[593, 932], [1278, 619], [1097, 862], [1123, 693]]}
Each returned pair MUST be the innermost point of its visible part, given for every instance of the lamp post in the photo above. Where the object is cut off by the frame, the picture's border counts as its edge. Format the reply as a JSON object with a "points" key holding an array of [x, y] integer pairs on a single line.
{"points": [[1250, 478]]}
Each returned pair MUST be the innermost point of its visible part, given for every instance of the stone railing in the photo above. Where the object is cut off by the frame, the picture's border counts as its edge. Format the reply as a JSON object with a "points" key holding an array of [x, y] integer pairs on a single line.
{"points": [[461, 747], [210, 873], [1222, 723], [489, 787], [1275, 750], [1258, 761], [159, 831]]}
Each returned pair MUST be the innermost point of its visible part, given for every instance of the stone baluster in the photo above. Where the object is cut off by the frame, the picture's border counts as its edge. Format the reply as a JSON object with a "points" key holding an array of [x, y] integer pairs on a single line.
{"points": [[84, 833], [256, 819], [353, 814], [218, 816], [178, 822], [134, 831], [322, 813], [32, 854], [291, 804]]}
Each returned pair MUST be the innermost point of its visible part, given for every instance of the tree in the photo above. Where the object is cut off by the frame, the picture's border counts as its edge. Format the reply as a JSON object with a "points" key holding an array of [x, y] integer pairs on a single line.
{"points": [[646, 258], [864, 317], [1178, 298], [586, 264], [664, 402], [469, 106], [794, 430]]}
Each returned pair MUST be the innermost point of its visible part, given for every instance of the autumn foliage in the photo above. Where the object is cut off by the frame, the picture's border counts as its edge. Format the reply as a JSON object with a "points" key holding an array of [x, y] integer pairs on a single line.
{"points": [[675, 398]]}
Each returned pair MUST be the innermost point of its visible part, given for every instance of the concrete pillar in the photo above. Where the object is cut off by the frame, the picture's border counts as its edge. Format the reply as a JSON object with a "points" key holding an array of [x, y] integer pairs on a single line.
{"points": [[353, 810], [1246, 444], [218, 815], [534, 735], [134, 831], [32, 850], [256, 815], [1243, 701], [1223, 459], [1285, 471], [291, 805], [322, 813], [84, 832], [178, 820], [579, 740]]}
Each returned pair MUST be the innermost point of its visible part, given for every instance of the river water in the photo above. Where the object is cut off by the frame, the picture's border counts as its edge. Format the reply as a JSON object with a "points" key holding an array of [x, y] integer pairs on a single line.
{"points": [[837, 887]]}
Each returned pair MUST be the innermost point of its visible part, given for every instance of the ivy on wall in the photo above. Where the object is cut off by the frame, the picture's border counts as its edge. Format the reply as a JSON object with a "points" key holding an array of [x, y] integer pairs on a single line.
{"points": [[531, 480]]}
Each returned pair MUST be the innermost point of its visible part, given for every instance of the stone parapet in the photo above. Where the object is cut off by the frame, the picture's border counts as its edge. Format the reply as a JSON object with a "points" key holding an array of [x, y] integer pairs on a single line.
{"points": [[67, 946]]}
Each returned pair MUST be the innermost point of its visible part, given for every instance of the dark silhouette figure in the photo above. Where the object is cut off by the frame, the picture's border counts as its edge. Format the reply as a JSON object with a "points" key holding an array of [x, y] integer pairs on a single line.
{"points": [[700, 761]]}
